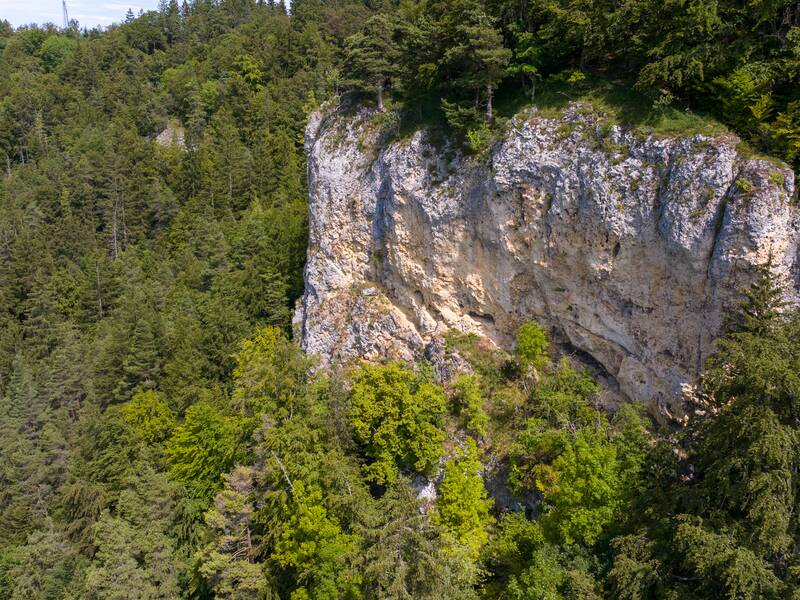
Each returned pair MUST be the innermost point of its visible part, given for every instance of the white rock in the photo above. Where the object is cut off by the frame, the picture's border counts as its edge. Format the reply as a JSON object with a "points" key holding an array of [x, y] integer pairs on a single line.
{"points": [[632, 251]]}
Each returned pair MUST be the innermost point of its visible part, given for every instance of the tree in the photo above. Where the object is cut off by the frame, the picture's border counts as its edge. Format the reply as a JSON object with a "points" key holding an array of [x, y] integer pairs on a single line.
{"points": [[46, 566], [396, 420], [202, 448], [636, 572], [462, 506], [149, 416], [743, 446], [270, 375], [136, 557], [400, 556], [226, 165], [726, 569], [474, 58], [582, 491], [57, 50], [228, 562], [469, 396], [532, 344], [526, 59], [570, 455], [314, 550], [130, 563], [371, 56], [760, 311]]}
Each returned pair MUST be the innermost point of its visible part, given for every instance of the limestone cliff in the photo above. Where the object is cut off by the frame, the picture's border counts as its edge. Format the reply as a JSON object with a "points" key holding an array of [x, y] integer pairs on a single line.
{"points": [[630, 248]]}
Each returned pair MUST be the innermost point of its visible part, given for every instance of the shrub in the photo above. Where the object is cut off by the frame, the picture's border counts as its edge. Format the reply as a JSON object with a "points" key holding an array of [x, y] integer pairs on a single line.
{"points": [[532, 346]]}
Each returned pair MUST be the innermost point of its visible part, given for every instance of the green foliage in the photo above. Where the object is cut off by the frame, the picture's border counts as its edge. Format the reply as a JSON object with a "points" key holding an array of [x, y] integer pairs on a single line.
{"points": [[45, 567], [128, 266], [473, 57], [228, 562], [582, 490], [480, 139], [455, 53], [485, 359], [202, 448], [582, 466], [462, 507], [636, 572], [462, 119], [371, 57], [535, 569], [469, 398], [57, 50], [270, 374], [727, 570], [135, 555], [397, 420], [526, 60], [552, 574], [314, 548], [514, 541], [532, 344], [149, 416], [402, 556]]}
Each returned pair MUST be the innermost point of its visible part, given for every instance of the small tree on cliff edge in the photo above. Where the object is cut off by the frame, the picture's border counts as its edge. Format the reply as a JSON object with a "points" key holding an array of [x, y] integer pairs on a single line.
{"points": [[474, 60], [371, 57]]}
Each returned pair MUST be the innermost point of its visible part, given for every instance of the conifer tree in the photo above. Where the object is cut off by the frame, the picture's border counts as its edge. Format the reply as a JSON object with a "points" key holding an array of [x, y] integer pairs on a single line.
{"points": [[371, 57], [462, 507], [228, 562], [202, 449], [474, 57]]}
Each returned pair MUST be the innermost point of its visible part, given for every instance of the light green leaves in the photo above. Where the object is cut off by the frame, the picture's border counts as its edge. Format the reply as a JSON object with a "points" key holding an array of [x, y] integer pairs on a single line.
{"points": [[397, 420]]}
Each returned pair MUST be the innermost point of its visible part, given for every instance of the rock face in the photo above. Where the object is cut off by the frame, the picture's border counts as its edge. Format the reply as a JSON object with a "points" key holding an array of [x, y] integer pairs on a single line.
{"points": [[630, 248]]}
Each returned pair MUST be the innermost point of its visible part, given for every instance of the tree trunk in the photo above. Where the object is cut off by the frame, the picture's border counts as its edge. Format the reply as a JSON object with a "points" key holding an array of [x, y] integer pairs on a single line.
{"points": [[250, 556], [489, 113], [99, 292], [380, 97], [283, 470], [114, 247]]}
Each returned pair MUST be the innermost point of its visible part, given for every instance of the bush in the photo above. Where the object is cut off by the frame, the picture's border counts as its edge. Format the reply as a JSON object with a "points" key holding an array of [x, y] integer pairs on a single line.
{"points": [[532, 346]]}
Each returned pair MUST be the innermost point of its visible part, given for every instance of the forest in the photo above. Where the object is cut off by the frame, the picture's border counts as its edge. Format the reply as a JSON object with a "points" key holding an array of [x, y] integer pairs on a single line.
{"points": [[162, 435]]}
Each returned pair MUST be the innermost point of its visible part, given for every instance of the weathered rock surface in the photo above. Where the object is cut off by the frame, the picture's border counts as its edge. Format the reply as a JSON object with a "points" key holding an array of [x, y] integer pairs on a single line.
{"points": [[173, 135], [630, 248]]}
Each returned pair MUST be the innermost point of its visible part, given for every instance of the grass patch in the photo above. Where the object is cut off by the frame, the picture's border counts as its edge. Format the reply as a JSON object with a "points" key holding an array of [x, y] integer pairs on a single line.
{"points": [[620, 105], [745, 150], [492, 364]]}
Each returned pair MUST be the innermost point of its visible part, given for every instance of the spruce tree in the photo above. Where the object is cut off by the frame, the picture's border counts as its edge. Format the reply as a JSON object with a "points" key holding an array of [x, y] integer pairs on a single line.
{"points": [[371, 59], [474, 58]]}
